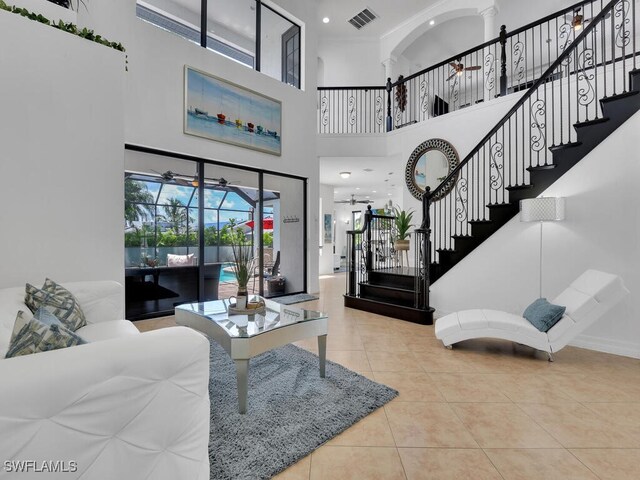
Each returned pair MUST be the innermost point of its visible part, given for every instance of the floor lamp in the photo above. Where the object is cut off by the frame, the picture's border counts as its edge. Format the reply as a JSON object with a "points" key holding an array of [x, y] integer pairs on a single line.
{"points": [[543, 209]]}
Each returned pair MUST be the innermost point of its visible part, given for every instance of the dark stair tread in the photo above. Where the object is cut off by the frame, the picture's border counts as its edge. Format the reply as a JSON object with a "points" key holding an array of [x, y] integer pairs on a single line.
{"points": [[541, 168], [479, 222], [501, 205], [588, 123], [387, 287], [463, 237], [564, 146], [411, 314], [619, 96], [515, 188], [395, 271]]}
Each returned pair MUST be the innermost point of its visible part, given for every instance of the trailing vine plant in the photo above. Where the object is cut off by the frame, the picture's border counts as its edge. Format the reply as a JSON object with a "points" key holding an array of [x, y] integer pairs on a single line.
{"points": [[85, 33]]}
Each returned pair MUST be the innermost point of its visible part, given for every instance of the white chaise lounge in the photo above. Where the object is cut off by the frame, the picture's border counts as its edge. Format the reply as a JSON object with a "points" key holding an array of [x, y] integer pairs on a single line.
{"points": [[586, 299]]}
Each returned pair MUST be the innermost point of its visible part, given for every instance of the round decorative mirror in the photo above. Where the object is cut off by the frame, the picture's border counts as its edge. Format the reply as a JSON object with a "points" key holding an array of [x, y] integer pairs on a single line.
{"points": [[429, 164]]}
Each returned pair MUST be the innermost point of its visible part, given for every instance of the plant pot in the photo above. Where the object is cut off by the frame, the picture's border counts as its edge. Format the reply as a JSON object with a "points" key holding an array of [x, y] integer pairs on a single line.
{"points": [[401, 245], [241, 299]]}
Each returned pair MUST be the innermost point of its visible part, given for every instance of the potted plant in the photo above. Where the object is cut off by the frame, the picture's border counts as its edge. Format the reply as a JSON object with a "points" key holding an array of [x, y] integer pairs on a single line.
{"points": [[242, 266], [403, 225]]}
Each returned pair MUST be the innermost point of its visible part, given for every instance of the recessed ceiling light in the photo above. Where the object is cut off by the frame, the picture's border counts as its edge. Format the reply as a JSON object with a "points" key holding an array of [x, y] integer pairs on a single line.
{"points": [[432, 22], [367, 196], [345, 174], [357, 188], [374, 191], [389, 194], [326, 20]]}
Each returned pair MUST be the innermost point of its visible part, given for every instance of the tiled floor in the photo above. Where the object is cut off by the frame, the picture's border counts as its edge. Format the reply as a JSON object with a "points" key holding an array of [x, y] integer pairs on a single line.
{"points": [[484, 410]]}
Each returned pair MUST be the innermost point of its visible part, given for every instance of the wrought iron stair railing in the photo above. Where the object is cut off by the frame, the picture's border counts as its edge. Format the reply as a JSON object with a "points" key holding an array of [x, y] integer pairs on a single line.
{"points": [[544, 134], [509, 63]]}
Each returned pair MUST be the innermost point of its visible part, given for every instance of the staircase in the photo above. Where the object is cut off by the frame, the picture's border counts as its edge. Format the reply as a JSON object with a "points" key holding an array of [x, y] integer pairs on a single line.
{"points": [[591, 89], [616, 109]]}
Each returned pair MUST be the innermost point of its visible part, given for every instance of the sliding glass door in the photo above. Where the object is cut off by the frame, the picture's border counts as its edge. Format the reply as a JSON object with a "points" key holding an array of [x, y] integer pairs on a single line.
{"points": [[183, 219]]}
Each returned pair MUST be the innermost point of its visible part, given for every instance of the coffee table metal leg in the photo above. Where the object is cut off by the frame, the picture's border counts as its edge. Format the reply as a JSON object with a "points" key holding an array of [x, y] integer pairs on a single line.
{"points": [[242, 375], [322, 353]]}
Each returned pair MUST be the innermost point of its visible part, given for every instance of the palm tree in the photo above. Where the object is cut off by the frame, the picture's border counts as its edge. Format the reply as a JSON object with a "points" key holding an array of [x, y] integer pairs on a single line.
{"points": [[135, 196], [175, 214]]}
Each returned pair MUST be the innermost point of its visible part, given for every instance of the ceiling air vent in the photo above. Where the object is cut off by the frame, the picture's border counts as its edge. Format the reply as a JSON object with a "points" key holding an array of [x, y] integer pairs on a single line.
{"points": [[363, 18]]}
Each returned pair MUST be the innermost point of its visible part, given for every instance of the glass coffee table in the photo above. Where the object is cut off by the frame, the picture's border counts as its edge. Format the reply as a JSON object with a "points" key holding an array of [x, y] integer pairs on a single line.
{"points": [[246, 336]]}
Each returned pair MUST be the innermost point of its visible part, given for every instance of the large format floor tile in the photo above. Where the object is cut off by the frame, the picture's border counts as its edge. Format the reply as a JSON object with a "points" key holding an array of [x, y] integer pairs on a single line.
{"points": [[362, 463], [502, 425], [447, 464], [488, 409], [421, 424], [534, 463]]}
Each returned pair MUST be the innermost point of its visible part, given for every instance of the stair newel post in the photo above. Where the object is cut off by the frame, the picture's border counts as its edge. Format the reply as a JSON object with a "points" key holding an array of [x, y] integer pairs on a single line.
{"points": [[423, 254], [389, 118], [369, 254], [503, 60], [351, 245]]}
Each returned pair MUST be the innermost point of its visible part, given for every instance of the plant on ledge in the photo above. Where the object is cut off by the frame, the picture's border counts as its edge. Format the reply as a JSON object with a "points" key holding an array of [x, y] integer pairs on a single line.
{"points": [[66, 27]]}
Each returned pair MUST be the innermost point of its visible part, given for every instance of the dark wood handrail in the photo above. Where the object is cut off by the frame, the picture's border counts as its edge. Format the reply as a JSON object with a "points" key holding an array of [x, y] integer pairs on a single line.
{"points": [[542, 79]]}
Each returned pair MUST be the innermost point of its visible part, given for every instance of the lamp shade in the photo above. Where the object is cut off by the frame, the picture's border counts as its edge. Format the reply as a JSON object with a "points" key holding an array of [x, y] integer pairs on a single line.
{"points": [[543, 209]]}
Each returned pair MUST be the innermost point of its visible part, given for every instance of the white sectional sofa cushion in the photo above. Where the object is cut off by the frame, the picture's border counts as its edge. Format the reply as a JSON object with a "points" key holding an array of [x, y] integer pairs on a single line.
{"points": [[126, 405]]}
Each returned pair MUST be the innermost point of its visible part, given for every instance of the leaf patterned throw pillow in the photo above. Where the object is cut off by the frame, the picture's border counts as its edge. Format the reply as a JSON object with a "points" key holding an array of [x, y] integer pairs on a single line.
{"points": [[57, 300], [40, 333]]}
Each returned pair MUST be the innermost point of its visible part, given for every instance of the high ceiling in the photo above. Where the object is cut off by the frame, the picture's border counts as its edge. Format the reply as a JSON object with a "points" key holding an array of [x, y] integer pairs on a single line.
{"points": [[372, 178], [390, 14]]}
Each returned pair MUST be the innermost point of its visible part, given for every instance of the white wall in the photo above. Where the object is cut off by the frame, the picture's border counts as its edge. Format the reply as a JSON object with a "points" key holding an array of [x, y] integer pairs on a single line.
{"points": [[443, 41], [326, 252], [61, 156], [601, 231], [154, 99], [338, 56]]}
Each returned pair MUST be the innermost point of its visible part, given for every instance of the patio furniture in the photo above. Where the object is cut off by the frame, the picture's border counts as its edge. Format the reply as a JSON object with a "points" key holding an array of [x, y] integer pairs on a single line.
{"points": [[586, 300]]}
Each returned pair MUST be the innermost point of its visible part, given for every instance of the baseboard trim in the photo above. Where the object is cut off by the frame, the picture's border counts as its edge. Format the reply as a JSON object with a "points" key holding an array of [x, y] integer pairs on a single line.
{"points": [[616, 347]]}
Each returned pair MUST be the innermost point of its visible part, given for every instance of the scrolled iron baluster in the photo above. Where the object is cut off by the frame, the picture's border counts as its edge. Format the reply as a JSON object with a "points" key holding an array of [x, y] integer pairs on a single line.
{"points": [[379, 110], [565, 37], [586, 93], [424, 96], [454, 87], [489, 70], [461, 201], [496, 166], [538, 115], [623, 33], [324, 110], [351, 108], [518, 60]]}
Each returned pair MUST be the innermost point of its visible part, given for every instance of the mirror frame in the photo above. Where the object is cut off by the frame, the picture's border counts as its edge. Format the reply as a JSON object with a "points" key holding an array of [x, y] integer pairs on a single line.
{"points": [[433, 144]]}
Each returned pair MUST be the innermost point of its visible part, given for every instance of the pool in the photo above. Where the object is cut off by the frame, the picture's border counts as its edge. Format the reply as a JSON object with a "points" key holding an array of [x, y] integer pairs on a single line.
{"points": [[226, 274]]}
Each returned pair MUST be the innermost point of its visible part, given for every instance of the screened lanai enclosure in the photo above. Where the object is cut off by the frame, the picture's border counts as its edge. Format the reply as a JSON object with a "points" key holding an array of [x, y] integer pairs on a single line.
{"points": [[169, 229]]}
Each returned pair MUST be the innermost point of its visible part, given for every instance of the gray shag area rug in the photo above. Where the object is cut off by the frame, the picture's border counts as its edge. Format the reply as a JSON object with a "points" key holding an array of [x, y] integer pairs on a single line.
{"points": [[291, 299], [291, 411]]}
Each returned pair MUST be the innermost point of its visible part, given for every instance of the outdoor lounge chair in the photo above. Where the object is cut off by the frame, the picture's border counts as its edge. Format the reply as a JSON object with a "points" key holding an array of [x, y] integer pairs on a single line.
{"points": [[586, 299]]}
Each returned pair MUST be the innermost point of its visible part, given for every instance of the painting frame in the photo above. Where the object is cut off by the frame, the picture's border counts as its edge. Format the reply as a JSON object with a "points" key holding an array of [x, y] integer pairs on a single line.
{"points": [[232, 100], [328, 228]]}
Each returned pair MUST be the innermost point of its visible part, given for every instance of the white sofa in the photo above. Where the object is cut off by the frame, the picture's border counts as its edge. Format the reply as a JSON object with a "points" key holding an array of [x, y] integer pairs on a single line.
{"points": [[124, 406], [586, 299]]}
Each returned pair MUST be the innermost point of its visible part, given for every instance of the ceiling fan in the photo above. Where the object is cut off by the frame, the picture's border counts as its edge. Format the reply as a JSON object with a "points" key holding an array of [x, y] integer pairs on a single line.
{"points": [[353, 201], [175, 178], [459, 69]]}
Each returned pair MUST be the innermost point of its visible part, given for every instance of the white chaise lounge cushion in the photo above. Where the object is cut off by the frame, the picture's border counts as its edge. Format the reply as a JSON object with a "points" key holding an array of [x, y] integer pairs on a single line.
{"points": [[586, 300]]}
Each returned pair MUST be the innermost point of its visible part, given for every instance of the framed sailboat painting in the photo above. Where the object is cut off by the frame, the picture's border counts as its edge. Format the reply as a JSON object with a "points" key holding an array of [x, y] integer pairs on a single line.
{"points": [[225, 112]]}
